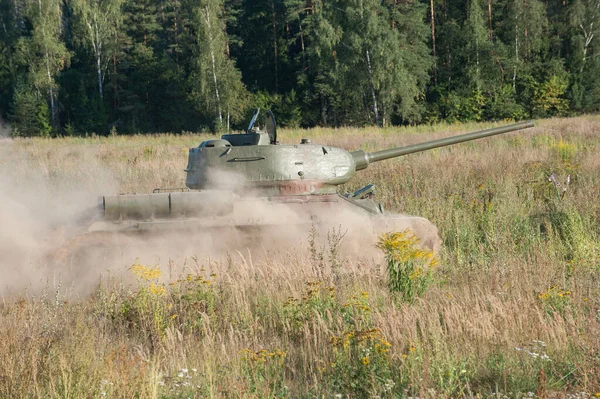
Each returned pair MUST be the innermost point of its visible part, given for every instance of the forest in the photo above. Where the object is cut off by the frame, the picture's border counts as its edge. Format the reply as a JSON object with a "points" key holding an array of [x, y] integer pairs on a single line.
{"points": [[76, 67]]}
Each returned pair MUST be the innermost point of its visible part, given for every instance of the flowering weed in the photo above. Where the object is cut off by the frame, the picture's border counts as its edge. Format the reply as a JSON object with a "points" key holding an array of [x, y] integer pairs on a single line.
{"points": [[361, 365], [264, 371], [316, 299], [555, 299], [409, 267]]}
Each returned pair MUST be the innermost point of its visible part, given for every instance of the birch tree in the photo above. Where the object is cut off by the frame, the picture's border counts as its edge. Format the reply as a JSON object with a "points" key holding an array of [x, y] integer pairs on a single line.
{"points": [[585, 17], [477, 40], [217, 87], [384, 53], [528, 21], [99, 21], [486, 55], [43, 52]]}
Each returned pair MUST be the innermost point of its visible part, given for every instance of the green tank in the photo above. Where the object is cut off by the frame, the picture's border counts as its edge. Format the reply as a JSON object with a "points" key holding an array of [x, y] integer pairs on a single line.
{"points": [[248, 180]]}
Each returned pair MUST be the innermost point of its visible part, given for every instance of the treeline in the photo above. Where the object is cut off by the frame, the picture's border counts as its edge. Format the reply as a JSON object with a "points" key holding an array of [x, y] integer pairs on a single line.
{"points": [[71, 67]]}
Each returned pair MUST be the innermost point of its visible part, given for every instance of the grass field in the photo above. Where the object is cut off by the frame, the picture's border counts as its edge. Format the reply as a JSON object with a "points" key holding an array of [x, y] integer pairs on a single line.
{"points": [[511, 308]]}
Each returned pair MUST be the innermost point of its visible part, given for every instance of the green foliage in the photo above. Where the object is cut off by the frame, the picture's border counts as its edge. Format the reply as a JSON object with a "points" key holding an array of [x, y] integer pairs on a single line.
{"points": [[464, 108], [549, 97], [285, 107], [31, 114], [504, 105], [149, 66]]}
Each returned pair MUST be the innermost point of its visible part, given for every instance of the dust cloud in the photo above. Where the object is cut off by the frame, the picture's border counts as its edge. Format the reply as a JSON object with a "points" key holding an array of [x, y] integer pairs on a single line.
{"points": [[45, 215], [39, 208]]}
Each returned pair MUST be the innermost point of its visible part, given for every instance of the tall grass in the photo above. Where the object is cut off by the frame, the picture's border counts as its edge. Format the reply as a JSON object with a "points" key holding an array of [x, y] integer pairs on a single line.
{"points": [[512, 310]]}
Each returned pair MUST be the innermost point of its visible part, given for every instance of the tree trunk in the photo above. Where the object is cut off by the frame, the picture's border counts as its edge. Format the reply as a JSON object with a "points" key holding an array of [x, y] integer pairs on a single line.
{"points": [[431, 5], [477, 70], [16, 14], [175, 33], [218, 98], [50, 83], [374, 98], [323, 110], [115, 91], [491, 32], [275, 45], [516, 56], [214, 67], [588, 36], [302, 46], [52, 106], [58, 15], [100, 78]]}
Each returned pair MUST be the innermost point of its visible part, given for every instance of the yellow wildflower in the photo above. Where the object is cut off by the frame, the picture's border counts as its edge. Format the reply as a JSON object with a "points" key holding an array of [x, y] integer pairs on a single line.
{"points": [[263, 354], [157, 290], [145, 272]]}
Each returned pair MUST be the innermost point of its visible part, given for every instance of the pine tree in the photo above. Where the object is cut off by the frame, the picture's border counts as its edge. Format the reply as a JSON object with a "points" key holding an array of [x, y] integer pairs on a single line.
{"points": [[411, 75], [316, 36], [478, 37], [138, 65]]}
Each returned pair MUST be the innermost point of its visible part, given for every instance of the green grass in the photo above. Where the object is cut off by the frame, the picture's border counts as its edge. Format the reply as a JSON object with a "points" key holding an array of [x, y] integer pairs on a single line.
{"points": [[512, 307]]}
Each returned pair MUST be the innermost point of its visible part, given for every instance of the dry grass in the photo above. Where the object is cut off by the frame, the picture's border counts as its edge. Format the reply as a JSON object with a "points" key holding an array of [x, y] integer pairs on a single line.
{"points": [[514, 306]]}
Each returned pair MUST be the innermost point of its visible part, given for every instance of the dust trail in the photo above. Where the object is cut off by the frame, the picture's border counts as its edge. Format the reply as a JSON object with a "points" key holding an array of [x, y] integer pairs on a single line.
{"points": [[39, 205]]}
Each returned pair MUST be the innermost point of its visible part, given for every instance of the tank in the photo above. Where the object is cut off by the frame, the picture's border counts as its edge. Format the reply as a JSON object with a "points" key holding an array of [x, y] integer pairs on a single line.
{"points": [[249, 180]]}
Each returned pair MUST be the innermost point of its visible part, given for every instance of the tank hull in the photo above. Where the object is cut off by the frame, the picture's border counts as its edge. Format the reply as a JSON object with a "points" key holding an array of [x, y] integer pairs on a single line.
{"points": [[362, 219]]}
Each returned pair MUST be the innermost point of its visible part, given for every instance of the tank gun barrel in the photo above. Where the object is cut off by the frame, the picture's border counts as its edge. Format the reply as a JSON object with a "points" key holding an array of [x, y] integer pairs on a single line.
{"points": [[363, 158]]}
